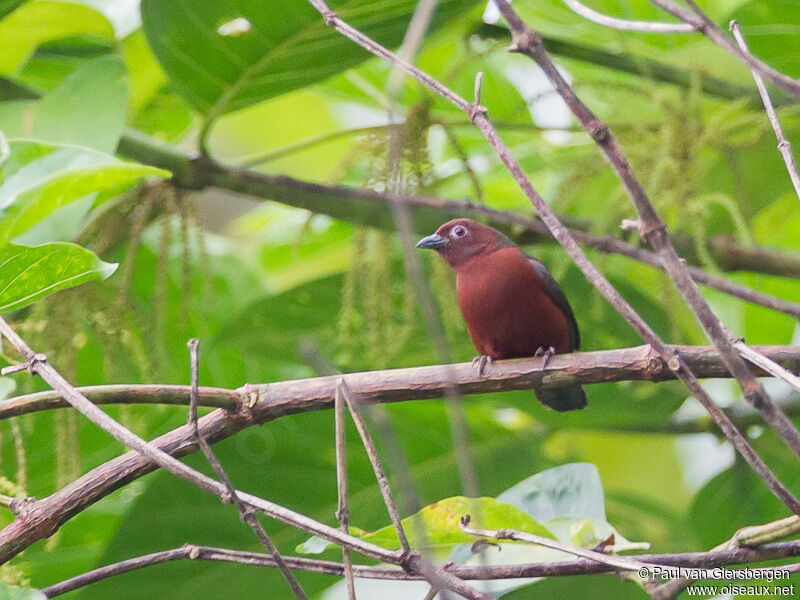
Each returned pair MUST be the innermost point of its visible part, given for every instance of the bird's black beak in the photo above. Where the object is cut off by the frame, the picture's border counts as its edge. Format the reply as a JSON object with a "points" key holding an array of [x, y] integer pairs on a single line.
{"points": [[432, 242]]}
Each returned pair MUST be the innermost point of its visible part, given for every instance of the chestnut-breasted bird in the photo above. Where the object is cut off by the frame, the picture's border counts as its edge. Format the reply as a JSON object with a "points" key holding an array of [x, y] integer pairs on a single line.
{"points": [[511, 304]]}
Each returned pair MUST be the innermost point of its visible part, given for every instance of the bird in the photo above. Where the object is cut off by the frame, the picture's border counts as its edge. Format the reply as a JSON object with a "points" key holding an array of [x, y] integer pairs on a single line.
{"points": [[512, 305]]}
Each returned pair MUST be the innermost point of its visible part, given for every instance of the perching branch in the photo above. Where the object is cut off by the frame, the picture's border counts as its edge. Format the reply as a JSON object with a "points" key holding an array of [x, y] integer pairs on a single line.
{"points": [[478, 114], [784, 145], [269, 401], [262, 403]]}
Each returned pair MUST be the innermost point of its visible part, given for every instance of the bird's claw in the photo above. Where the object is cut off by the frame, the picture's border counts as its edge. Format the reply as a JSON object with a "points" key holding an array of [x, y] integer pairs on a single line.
{"points": [[545, 353], [480, 362]]}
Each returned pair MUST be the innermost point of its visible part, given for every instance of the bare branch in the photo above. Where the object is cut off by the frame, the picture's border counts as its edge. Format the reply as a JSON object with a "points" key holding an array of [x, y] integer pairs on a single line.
{"points": [[30, 523], [624, 563], [747, 537], [768, 365], [261, 403], [708, 28], [176, 395], [732, 556], [374, 459], [625, 24], [342, 511], [247, 514], [274, 400], [784, 145]]}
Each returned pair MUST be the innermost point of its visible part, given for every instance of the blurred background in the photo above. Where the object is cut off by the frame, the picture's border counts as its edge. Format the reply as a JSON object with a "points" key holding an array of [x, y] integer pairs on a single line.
{"points": [[264, 86]]}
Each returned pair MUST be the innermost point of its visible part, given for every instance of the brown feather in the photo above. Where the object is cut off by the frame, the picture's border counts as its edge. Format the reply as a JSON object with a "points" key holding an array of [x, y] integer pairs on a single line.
{"points": [[507, 311]]}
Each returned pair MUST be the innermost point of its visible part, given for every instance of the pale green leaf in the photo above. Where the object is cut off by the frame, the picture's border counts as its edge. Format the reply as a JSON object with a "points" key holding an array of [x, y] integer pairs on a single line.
{"points": [[39, 178], [28, 273], [34, 23], [87, 108]]}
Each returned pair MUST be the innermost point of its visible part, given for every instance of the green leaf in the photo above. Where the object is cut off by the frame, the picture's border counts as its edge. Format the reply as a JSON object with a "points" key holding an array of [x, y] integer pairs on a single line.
{"points": [[39, 178], [31, 25], [265, 50], [28, 273], [437, 525], [87, 109], [11, 592]]}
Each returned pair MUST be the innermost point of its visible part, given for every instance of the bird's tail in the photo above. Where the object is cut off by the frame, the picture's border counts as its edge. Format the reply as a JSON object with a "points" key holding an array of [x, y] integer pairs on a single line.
{"points": [[563, 399]]}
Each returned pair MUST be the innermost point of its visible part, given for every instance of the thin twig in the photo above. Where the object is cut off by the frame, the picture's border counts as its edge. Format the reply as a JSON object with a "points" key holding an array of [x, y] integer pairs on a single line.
{"points": [[784, 145], [768, 365], [626, 24], [555, 569], [342, 511], [411, 259], [479, 116], [455, 144], [374, 459], [624, 563], [247, 514], [707, 27]]}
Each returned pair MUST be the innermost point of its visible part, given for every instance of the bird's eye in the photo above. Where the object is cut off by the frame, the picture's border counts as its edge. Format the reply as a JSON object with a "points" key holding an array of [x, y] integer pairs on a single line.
{"points": [[459, 231]]}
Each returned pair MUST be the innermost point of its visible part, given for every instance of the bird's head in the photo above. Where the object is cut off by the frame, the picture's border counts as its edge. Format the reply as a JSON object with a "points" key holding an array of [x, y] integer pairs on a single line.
{"points": [[459, 240]]}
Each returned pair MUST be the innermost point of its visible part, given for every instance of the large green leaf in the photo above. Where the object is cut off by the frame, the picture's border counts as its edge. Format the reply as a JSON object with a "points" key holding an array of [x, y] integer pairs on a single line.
{"points": [[39, 178], [87, 109], [280, 46], [28, 273], [26, 28]]}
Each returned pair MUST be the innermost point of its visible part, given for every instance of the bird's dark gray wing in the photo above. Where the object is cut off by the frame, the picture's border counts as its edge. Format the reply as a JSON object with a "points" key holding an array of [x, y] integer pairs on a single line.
{"points": [[556, 294]]}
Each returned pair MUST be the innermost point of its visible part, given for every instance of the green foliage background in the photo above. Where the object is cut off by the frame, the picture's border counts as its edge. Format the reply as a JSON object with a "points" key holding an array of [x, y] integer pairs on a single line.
{"points": [[255, 278]]}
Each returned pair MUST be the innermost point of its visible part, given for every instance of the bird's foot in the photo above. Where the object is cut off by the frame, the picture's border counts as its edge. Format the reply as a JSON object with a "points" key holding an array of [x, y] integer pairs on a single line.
{"points": [[545, 353], [480, 363]]}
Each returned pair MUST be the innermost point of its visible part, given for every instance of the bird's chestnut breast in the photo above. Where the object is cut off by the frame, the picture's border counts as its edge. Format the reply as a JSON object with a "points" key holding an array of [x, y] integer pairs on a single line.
{"points": [[507, 312]]}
